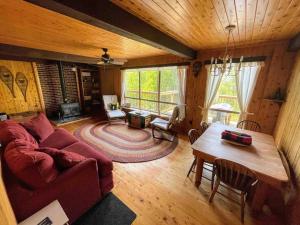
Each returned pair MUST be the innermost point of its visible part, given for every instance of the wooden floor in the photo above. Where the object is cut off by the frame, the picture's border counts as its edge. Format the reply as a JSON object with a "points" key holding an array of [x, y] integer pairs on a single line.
{"points": [[159, 192]]}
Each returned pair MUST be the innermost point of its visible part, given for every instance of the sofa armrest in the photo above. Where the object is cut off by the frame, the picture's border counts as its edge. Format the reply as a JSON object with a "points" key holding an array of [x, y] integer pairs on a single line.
{"points": [[76, 189]]}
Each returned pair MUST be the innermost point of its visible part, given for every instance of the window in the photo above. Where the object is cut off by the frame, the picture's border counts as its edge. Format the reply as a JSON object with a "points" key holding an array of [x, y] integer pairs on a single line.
{"points": [[232, 92], [152, 89], [226, 99]]}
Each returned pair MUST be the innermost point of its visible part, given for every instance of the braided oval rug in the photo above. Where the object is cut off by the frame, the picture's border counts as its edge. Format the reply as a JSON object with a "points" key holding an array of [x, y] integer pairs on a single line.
{"points": [[124, 144]]}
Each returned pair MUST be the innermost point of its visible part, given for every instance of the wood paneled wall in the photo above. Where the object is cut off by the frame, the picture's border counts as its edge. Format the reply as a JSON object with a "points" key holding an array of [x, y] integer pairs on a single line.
{"points": [[274, 75], [287, 132], [7, 216], [8, 103], [110, 81]]}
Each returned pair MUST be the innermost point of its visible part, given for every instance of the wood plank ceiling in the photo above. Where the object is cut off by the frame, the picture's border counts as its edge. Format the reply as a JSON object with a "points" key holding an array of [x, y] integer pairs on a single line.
{"points": [[27, 25], [200, 23]]}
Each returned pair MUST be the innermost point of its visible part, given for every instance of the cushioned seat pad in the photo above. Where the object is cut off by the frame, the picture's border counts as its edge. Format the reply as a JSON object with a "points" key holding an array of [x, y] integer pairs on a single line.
{"points": [[116, 114], [158, 122], [59, 139], [105, 165], [35, 169]]}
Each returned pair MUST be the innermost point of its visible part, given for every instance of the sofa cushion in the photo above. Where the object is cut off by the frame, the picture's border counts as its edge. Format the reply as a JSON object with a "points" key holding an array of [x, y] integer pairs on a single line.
{"points": [[63, 159], [33, 168], [105, 165], [39, 127], [21, 144], [10, 130], [59, 139]]}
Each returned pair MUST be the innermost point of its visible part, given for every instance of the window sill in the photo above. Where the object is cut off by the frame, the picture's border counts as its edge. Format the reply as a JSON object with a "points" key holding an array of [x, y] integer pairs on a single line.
{"points": [[153, 114]]}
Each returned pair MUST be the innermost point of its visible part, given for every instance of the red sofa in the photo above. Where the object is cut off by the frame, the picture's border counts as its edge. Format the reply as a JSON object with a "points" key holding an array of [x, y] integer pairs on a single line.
{"points": [[77, 188]]}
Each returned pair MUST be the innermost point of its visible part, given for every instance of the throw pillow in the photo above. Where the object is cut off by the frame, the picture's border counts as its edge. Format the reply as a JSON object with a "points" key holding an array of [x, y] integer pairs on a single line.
{"points": [[39, 127], [33, 168], [10, 130], [63, 159]]}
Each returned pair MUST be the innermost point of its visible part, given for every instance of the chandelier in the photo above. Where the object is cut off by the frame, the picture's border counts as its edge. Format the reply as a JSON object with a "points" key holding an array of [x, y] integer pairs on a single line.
{"points": [[224, 63]]}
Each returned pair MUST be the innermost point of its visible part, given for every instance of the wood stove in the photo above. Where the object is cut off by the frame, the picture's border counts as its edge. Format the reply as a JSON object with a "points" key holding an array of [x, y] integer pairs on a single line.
{"points": [[68, 110]]}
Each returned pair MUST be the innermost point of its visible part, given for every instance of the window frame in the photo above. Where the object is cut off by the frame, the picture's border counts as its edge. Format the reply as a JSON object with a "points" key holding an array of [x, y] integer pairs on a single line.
{"points": [[139, 99]]}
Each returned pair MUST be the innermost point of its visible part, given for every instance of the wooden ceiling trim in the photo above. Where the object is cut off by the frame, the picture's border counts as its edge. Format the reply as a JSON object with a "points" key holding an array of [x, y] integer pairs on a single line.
{"points": [[257, 21], [30, 54], [196, 10], [292, 11], [178, 17], [281, 9], [106, 15], [31, 26], [261, 11], [293, 24], [160, 12], [168, 18], [239, 7], [220, 10], [152, 10], [210, 16]]}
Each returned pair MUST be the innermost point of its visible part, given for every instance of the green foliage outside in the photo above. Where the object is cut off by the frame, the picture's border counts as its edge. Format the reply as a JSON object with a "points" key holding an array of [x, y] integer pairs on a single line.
{"points": [[148, 81], [227, 94]]}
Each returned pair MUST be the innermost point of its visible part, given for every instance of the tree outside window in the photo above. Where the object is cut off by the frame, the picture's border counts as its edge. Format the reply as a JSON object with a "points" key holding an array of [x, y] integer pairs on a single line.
{"points": [[152, 89]]}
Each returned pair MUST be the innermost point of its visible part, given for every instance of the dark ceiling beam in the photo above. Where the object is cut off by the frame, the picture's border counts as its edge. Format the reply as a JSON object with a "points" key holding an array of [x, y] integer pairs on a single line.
{"points": [[294, 44], [30, 54], [106, 15]]}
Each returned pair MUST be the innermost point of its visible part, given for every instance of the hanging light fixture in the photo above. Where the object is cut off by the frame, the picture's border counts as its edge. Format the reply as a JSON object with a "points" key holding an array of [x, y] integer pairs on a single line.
{"points": [[226, 59]]}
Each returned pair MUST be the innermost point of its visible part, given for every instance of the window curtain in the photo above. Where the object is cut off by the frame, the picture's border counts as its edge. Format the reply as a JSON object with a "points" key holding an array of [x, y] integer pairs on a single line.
{"points": [[123, 88], [214, 78], [181, 73], [246, 77]]}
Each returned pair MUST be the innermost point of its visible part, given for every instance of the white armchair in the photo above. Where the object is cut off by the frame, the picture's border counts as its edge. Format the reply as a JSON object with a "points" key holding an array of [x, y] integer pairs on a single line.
{"points": [[108, 100], [165, 126]]}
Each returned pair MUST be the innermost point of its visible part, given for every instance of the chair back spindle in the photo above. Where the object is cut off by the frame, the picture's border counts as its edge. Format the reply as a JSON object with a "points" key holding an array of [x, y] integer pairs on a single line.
{"points": [[234, 175], [249, 125], [194, 134], [204, 126]]}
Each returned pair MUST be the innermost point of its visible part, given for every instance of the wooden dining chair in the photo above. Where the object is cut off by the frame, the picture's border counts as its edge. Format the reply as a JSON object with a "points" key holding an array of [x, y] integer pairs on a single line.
{"points": [[193, 135], [249, 125], [203, 126], [289, 191], [235, 177]]}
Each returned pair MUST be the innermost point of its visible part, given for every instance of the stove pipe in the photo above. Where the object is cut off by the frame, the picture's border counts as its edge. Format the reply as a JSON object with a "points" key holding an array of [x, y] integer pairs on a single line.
{"points": [[62, 81]]}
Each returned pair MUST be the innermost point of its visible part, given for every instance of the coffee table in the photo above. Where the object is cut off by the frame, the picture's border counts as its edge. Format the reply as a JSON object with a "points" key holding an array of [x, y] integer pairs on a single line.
{"points": [[139, 119]]}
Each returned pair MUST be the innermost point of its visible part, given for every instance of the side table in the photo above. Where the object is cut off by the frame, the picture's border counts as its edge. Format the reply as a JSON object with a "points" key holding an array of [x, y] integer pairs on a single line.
{"points": [[52, 214], [139, 119]]}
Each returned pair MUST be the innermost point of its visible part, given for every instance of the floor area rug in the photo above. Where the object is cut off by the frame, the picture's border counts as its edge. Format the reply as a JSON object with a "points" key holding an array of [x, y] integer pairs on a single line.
{"points": [[124, 144], [109, 211]]}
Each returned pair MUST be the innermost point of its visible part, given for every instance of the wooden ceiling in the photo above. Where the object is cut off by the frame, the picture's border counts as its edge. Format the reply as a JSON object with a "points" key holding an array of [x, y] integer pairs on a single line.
{"points": [[200, 23], [28, 25]]}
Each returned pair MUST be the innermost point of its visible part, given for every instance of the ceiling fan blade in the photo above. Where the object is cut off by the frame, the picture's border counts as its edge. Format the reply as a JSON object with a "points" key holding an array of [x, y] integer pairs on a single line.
{"points": [[118, 61]]}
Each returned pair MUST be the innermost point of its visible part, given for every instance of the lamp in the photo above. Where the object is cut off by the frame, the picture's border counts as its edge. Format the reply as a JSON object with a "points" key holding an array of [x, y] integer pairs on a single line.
{"points": [[226, 59]]}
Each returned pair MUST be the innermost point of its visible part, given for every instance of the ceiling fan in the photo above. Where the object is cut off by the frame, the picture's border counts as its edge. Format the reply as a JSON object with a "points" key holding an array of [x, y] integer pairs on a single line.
{"points": [[107, 60]]}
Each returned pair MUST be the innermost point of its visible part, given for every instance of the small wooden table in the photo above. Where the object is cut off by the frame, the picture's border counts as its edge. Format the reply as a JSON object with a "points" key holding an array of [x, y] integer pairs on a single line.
{"points": [[139, 119], [261, 157]]}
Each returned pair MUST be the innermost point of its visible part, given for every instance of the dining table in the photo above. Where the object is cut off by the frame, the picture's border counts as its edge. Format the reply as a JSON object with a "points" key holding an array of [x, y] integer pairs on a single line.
{"points": [[262, 157]]}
